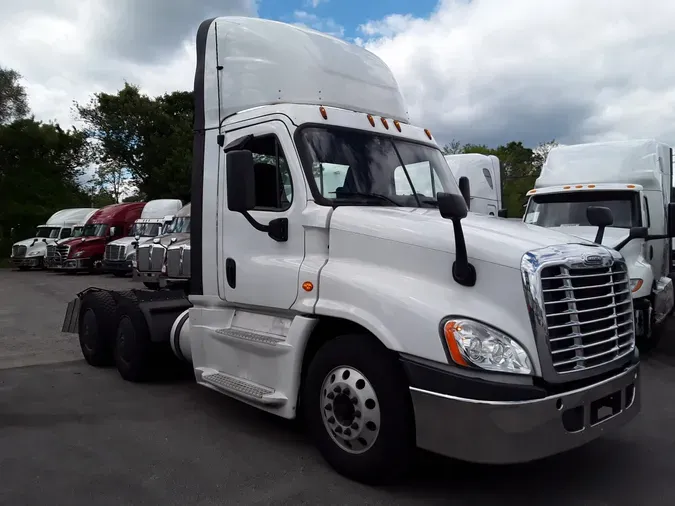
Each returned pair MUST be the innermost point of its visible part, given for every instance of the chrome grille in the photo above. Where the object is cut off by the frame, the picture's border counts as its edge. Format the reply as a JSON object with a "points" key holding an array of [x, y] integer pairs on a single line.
{"points": [[19, 251], [173, 263], [62, 251], [143, 259], [114, 252], [186, 263], [157, 258], [588, 315], [51, 251]]}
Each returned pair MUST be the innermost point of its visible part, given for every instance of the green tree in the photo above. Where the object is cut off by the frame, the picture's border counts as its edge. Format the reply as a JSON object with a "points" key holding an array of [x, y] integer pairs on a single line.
{"points": [[39, 169], [13, 99], [453, 148], [150, 137]]}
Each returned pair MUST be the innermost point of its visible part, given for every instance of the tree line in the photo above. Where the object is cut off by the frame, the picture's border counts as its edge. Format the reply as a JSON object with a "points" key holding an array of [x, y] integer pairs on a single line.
{"points": [[132, 147]]}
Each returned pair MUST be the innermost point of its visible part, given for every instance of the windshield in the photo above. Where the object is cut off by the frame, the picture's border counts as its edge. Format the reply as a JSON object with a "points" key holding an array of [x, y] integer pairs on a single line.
{"points": [[352, 166], [166, 228], [145, 229], [77, 232], [180, 225], [95, 230], [569, 209], [48, 232]]}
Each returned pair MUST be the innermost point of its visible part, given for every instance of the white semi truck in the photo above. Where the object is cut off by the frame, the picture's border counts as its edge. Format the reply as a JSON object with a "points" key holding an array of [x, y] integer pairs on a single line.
{"points": [[386, 318], [633, 179], [32, 252], [485, 181], [77, 231], [119, 254]]}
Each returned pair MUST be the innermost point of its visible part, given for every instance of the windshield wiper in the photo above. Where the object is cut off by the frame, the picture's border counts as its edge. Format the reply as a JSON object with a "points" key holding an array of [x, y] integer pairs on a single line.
{"points": [[372, 195], [431, 202]]}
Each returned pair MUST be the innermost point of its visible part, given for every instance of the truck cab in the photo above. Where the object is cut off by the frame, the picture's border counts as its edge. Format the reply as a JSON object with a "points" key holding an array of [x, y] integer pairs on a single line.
{"points": [[119, 254], [633, 179], [151, 257], [85, 253], [32, 252], [51, 259], [484, 176], [373, 306]]}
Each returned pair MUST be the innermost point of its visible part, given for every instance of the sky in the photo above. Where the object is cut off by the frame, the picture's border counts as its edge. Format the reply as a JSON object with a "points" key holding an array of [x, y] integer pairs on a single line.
{"points": [[478, 71]]}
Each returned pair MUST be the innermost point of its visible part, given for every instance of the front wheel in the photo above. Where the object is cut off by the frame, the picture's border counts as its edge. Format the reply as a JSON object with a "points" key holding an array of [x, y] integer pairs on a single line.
{"points": [[651, 334], [358, 409]]}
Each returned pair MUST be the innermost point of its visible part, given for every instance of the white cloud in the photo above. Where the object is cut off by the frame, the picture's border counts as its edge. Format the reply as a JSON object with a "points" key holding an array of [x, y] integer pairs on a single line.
{"points": [[326, 25], [315, 3], [492, 71]]}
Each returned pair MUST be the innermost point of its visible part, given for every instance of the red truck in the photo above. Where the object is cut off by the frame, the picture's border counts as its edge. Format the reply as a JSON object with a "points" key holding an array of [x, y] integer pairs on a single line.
{"points": [[85, 253]]}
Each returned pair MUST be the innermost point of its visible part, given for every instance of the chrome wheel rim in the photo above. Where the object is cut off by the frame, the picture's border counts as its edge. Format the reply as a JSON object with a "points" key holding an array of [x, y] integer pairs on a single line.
{"points": [[350, 409]]}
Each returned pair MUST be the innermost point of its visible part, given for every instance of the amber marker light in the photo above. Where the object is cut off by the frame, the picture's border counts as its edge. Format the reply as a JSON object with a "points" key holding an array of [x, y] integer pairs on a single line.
{"points": [[397, 124], [371, 119], [426, 131], [308, 286], [323, 112], [449, 333]]}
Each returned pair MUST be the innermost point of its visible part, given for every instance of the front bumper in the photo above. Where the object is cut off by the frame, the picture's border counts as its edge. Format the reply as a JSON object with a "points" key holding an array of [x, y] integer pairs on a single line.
{"points": [[117, 266], [76, 264], [27, 261], [513, 431], [146, 276]]}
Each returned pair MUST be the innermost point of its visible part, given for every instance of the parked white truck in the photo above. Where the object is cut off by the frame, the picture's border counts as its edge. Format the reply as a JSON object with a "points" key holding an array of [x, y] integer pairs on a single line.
{"points": [[387, 318], [32, 252], [485, 181], [633, 179], [77, 230], [119, 254]]}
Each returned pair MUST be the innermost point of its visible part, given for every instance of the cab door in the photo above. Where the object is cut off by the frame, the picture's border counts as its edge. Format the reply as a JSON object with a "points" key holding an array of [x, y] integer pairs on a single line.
{"points": [[258, 270]]}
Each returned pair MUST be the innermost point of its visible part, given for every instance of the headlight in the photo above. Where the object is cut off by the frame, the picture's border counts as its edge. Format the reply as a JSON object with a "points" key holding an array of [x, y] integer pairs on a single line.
{"points": [[34, 253], [78, 254], [635, 284], [474, 344]]}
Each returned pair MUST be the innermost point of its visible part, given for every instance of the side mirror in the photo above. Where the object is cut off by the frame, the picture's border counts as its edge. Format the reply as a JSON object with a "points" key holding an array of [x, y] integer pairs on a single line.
{"points": [[503, 213], [454, 208], [240, 181], [671, 219], [465, 188], [111, 231], [634, 233], [600, 217]]}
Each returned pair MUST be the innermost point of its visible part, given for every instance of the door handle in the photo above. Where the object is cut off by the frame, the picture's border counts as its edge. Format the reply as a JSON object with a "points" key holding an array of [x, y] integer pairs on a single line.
{"points": [[231, 272]]}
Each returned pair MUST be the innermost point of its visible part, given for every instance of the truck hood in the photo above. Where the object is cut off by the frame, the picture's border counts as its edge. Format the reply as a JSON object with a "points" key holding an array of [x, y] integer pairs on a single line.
{"points": [[495, 240], [36, 240], [166, 239], [83, 240], [632, 252], [181, 242], [126, 241]]}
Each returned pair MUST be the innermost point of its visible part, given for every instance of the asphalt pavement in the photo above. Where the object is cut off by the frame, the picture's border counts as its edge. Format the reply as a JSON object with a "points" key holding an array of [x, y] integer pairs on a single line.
{"points": [[74, 435]]}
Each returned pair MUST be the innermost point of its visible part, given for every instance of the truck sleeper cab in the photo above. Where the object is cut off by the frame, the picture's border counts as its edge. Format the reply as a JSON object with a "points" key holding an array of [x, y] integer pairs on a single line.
{"points": [[484, 175], [31, 253], [119, 254], [633, 179], [378, 311]]}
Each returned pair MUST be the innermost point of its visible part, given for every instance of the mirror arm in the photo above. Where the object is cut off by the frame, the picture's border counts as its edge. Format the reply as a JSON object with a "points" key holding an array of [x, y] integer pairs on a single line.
{"points": [[462, 271], [258, 226], [655, 237], [623, 243]]}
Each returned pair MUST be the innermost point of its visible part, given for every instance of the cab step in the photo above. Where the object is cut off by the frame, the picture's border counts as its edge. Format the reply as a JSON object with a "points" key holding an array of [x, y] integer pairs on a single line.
{"points": [[262, 343], [246, 389]]}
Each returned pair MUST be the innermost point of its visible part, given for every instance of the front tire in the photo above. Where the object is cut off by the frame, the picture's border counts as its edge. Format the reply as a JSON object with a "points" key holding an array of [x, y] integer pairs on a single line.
{"points": [[650, 339], [358, 409]]}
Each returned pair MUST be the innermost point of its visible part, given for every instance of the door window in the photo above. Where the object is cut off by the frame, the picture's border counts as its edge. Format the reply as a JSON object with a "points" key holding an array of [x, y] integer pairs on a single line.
{"points": [[273, 184]]}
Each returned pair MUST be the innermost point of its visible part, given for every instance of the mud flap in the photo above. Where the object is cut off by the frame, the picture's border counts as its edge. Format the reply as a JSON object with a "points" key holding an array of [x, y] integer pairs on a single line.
{"points": [[72, 317]]}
